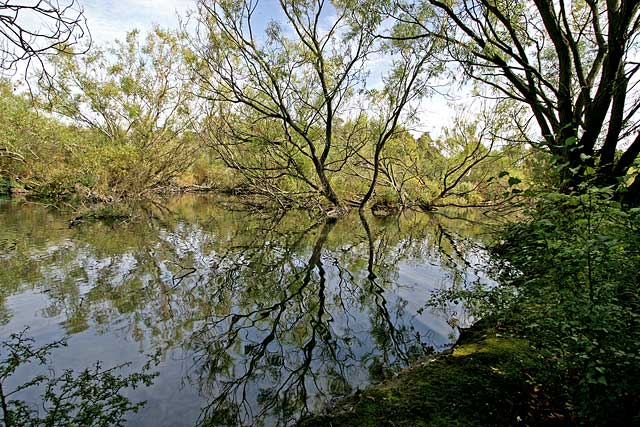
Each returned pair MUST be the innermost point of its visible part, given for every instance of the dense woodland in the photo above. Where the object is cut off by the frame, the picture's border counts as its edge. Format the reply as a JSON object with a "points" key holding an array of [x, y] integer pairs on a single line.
{"points": [[319, 109]]}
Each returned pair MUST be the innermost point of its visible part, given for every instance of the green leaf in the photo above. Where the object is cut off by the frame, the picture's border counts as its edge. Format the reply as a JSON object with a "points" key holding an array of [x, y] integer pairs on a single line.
{"points": [[574, 170]]}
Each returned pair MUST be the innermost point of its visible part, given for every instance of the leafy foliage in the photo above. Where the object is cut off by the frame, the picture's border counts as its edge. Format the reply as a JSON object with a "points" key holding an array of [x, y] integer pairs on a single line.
{"points": [[135, 97], [93, 397], [35, 152], [569, 280]]}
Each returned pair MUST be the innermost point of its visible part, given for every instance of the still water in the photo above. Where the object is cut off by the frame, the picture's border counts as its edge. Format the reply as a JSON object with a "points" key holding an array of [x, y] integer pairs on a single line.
{"points": [[257, 318]]}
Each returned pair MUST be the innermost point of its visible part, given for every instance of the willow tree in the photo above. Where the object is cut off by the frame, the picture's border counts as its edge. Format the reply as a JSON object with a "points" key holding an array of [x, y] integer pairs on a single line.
{"points": [[135, 96], [282, 89], [569, 68]]}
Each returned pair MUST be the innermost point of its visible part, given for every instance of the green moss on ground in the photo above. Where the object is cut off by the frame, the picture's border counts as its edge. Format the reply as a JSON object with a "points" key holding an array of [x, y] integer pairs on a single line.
{"points": [[483, 382]]}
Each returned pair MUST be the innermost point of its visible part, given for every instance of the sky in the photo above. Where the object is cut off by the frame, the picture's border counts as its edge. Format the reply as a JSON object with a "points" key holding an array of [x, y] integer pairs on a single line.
{"points": [[111, 19]]}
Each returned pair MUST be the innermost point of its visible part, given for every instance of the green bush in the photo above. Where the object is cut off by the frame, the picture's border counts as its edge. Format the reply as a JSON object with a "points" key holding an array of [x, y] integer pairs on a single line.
{"points": [[572, 272], [91, 398]]}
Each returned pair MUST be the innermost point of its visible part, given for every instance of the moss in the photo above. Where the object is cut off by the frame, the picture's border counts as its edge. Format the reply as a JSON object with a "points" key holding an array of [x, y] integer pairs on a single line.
{"points": [[484, 381]]}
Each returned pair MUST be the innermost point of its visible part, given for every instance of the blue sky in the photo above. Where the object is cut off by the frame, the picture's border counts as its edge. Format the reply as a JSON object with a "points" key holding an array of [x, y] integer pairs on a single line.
{"points": [[111, 19]]}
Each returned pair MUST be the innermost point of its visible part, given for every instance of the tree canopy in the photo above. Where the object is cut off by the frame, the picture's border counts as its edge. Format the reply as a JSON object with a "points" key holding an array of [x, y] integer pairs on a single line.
{"points": [[569, 70]]}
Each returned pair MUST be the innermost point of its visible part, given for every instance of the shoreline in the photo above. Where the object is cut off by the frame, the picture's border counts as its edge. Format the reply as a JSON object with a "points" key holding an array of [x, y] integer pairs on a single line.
{"points": [[482, 380]]}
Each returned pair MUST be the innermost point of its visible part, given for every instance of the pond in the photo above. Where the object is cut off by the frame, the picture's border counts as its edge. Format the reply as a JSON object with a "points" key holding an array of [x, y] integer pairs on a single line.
{"points": [[256, 318]]}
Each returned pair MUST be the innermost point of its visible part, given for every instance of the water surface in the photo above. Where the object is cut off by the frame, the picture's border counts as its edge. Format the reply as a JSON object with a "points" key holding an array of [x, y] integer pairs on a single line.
{"points": [[257, 318]]}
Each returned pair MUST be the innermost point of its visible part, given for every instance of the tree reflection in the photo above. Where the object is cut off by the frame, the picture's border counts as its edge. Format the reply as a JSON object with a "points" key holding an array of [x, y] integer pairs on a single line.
{"points": [[316, 326]]}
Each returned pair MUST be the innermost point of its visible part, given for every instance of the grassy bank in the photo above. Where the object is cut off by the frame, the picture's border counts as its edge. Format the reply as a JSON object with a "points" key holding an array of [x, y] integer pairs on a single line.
{"points": [[485, 380]]}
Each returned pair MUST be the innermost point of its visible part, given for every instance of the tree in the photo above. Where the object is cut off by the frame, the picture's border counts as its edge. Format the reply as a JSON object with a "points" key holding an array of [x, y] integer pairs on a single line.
{"points": [[568, 67], [461, 167], [62, 26], [296, 81], [408, 81], [37, 153], [287, 100], [136, 97]]}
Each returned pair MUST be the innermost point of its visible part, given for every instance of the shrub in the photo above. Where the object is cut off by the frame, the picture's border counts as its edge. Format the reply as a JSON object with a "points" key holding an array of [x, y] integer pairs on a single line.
{"points": [[91, 398], [574, 270]]}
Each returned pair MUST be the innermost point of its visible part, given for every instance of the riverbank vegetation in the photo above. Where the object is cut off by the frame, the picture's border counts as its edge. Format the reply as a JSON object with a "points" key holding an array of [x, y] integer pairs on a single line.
{"points": [[484, 381], [289, 117], [571, 274], [295, 110], [69, 158]]}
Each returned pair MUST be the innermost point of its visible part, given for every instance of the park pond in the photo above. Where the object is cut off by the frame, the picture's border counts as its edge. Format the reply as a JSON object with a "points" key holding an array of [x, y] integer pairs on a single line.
{"points": [[255, 317]]}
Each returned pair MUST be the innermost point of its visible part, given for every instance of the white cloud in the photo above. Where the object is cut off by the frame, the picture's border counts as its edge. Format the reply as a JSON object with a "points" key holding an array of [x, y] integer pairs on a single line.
{"points": [[111, 19]]}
